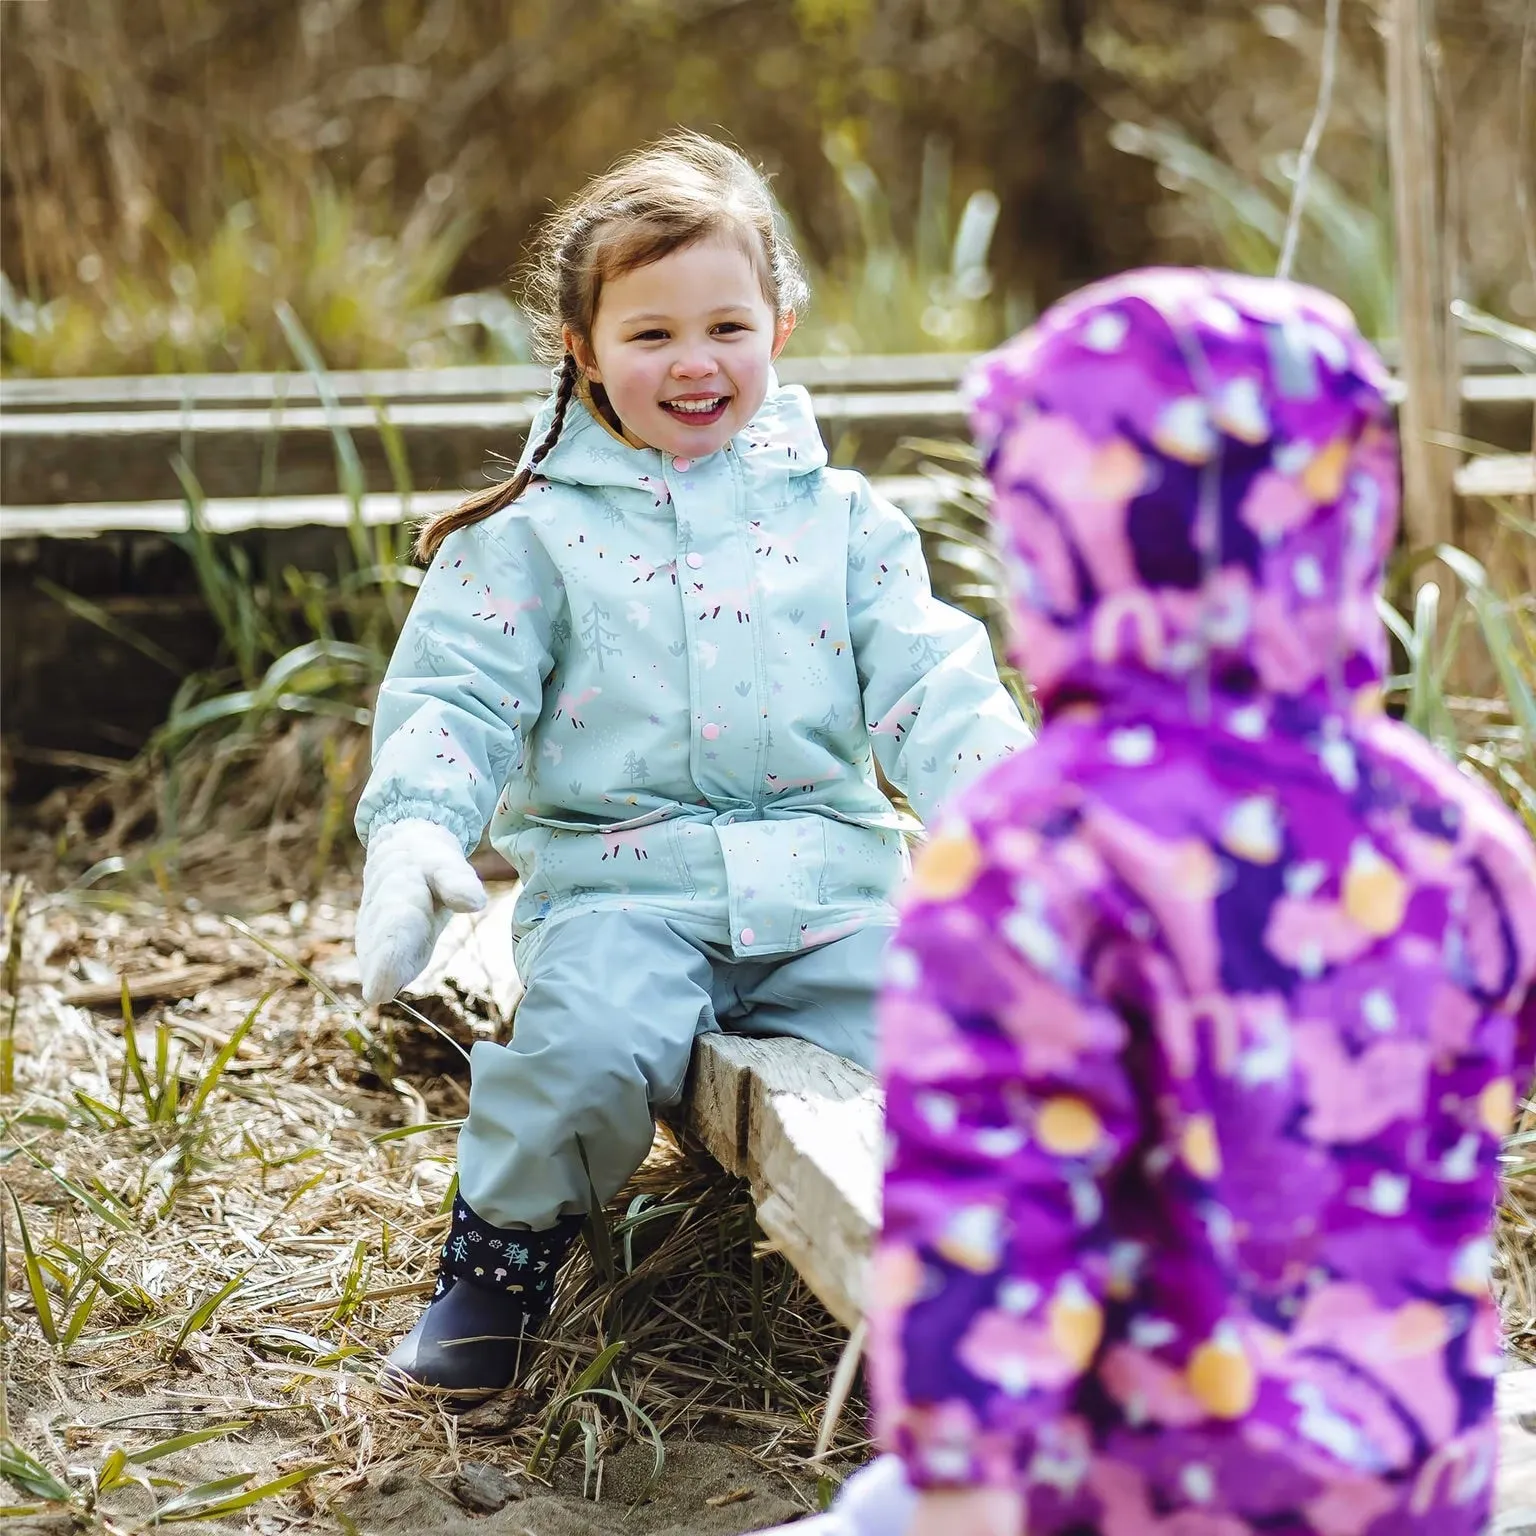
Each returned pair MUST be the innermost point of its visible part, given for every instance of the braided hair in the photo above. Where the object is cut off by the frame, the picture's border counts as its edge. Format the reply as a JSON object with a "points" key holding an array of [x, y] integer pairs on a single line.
{"points": [[502, 494], [662, 198]]}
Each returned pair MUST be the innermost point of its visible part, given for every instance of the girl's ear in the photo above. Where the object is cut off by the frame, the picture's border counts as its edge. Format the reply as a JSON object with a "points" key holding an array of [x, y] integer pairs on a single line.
{"points": [[582, 353], [781, 333]]}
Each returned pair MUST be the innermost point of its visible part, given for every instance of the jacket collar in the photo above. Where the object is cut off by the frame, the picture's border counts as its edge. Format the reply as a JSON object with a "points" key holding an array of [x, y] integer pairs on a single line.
{"points": [[781, 439]]}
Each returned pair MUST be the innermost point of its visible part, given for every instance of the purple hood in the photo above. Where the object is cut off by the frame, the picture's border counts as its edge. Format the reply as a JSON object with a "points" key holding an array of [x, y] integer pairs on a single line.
{"points": [[1196, 488]]}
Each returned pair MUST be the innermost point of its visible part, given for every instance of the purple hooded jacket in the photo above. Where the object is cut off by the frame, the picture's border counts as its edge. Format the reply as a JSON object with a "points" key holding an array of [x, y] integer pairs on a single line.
{"points": [[1206, 1014]]}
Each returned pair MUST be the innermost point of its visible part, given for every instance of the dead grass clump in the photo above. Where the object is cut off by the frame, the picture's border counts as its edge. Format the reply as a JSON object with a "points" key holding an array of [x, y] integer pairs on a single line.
{"points": [[260, 811], [224, 1201]]}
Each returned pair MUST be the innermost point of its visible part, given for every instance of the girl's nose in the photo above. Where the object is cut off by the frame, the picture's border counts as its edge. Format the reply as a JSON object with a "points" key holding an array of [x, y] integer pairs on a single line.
{"points": [[693, 364]]}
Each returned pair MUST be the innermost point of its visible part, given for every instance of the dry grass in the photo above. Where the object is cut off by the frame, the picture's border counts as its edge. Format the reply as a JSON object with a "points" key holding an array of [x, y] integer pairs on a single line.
{"points": [[237, 1235]]}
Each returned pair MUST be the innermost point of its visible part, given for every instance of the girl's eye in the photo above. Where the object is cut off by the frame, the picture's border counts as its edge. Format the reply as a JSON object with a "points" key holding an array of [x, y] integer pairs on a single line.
{"points": [[728, 326], [650, 336]]}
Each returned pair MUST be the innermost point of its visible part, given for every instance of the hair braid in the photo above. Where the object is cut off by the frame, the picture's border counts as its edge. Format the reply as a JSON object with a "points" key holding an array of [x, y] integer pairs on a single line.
{"points": [[493, 498]]}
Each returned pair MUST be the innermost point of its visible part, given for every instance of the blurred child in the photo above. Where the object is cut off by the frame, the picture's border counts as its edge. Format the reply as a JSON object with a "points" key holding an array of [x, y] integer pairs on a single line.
{"points": [[1207, 1014], [662, 661]]}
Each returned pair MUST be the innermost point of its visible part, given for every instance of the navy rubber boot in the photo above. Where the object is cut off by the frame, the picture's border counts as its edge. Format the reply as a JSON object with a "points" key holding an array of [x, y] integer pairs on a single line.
{"points": [[495, 1288]]}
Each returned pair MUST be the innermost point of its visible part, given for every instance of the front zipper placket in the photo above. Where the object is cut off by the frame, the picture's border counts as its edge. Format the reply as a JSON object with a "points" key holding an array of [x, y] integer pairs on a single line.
{"points": [[716, 582]]}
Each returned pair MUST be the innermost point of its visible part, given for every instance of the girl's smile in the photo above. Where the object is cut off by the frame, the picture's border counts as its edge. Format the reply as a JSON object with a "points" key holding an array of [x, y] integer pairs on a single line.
{"points": [[682, 347]]}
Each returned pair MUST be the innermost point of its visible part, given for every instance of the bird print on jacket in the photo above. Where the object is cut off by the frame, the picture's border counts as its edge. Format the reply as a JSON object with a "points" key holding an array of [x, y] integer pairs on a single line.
{"points": [[658, 679], [1206, 1015]]}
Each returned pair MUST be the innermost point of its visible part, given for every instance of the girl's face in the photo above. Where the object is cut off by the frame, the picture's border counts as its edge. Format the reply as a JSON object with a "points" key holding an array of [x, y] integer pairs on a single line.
{"points": [[682, 347]]}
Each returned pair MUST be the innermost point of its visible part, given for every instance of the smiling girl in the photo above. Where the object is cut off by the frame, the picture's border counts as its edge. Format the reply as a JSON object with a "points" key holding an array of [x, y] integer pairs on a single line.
{"points": [[662, 661]]}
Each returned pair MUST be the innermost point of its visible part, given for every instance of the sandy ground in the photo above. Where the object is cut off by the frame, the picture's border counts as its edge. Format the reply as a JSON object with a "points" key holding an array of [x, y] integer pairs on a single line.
{"points": [[316, 1188]]}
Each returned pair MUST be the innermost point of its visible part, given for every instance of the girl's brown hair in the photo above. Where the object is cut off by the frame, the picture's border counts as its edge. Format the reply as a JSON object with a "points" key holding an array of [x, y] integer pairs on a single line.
{"points": [[660, 199]]}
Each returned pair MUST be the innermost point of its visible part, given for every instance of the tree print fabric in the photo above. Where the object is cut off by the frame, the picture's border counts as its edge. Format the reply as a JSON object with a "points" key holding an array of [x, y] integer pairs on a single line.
{"points": [[666, 684]]}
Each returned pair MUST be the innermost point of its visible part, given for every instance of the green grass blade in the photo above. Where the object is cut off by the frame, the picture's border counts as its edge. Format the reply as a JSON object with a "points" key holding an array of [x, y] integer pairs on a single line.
{"points": [[167, 1082], [303, 972], [21, 1467], [204, 1502], [352, 1286], [10, 984], [34, 1273], [88, 1200], [595, 1231], [226, 1055], [1424, 704], [106, 1118], [595, 1372], [634, 1410], [192, 1437], [83, 608], [202, 1314], [75, 1325], [135, 1062], [349, 466], [400, 1132], [196, 1500], [110, 1474]]}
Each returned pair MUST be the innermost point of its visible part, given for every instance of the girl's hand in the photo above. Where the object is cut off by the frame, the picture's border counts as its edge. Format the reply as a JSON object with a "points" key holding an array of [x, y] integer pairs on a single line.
{"points": [[968, 1512], [414, 877]]}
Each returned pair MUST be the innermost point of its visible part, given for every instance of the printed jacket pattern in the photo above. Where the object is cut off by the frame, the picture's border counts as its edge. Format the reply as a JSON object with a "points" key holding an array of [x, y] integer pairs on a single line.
{"points": [[666, 685], [1208, 1013]]}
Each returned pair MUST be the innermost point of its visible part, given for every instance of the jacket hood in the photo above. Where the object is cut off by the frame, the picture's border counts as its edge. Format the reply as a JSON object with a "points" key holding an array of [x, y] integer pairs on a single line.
{"points": [[1196, 487], [782, 438]]}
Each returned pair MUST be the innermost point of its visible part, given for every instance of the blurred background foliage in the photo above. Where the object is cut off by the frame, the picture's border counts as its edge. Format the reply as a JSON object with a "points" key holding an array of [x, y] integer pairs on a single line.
{"points": [[173, 168], [199, 185]]}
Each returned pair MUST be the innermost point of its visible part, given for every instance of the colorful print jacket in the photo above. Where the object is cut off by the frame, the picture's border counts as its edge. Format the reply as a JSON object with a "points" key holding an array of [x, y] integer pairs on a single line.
{"points": [[666, 684], [1206, 1014]]}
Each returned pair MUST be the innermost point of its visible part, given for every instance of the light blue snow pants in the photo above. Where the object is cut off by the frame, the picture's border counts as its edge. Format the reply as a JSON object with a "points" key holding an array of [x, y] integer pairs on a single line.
{"points": [[602, 1040]]}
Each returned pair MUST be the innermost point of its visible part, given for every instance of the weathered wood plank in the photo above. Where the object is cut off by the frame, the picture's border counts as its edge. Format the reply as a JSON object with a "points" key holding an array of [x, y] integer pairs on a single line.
{"points": [[237, 514], [500, 381], [133, 392], [804, 1128], [107, 455], [90, 452], [1496, 475]]}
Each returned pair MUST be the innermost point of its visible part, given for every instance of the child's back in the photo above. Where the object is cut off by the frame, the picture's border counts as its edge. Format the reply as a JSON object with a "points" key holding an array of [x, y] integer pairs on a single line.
{"points": [[1206, 1009]]}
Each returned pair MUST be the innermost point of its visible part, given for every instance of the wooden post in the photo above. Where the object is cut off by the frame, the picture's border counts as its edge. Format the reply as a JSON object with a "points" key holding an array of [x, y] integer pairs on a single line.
{"points": [[1425, 254]]}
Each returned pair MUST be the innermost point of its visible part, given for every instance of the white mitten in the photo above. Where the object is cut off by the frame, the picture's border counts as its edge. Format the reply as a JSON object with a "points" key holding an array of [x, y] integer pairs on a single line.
{"points": [[414, 878]]}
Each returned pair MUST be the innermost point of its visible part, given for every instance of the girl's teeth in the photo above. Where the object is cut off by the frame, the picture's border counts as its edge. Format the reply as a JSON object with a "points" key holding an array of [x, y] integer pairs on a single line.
{"points": [[693, 407]]}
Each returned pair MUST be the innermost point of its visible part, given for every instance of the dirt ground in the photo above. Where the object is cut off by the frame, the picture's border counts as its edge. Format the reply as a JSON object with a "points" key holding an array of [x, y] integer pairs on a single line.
{"points": [[218, 1218], [232, 1235]]}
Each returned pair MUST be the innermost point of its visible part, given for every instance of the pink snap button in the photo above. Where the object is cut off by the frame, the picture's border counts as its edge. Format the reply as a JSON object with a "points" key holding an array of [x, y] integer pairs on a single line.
{"points": [[711, 732], [682, 465], [747, 936], [695, 560]]}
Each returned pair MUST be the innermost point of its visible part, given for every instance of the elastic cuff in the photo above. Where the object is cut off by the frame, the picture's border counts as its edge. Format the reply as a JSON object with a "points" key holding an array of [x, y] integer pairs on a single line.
{"points": [[396, 807], [510, 1259]]}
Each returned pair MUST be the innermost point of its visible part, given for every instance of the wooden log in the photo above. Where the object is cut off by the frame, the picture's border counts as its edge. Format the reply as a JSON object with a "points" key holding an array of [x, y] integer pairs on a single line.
{"points": [[804, 1129], [166, 986]]}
